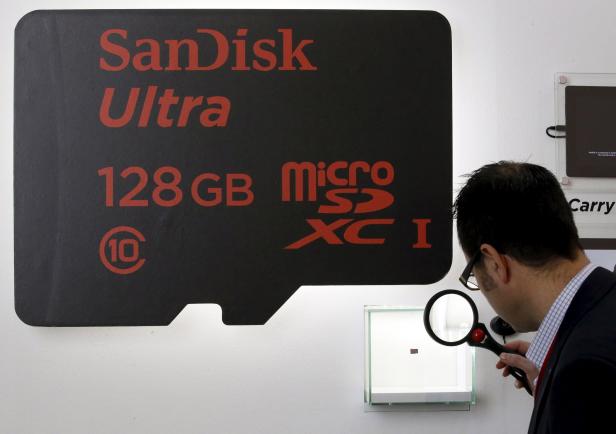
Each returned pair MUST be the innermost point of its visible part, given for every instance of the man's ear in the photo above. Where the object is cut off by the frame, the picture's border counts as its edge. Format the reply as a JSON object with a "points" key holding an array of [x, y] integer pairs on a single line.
{"points": [[495, 264]]}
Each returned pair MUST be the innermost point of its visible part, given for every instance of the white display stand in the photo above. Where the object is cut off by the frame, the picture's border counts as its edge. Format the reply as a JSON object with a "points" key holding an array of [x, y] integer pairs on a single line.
{"points": [[405, 366]]}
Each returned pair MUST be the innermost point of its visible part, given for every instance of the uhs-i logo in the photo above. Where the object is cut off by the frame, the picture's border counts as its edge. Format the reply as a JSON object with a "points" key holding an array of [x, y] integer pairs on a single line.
{"points": [[339, 183]]}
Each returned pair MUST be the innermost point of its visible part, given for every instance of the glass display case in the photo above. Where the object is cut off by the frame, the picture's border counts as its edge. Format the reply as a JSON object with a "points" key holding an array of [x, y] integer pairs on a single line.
{"points": [[403, 365]]}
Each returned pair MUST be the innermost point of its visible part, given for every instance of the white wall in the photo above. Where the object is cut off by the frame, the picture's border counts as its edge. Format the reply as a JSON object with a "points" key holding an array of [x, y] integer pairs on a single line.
{"points": [[303, 371]]}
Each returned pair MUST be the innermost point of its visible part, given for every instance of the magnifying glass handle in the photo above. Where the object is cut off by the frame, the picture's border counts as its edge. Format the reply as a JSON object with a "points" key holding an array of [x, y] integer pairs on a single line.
{"points": [[520, 375], [481, 338], [517, 373]]}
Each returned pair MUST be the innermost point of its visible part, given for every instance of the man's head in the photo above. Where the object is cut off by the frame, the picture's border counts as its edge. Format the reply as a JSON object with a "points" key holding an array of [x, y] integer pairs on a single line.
{"points": [[518, 216]]}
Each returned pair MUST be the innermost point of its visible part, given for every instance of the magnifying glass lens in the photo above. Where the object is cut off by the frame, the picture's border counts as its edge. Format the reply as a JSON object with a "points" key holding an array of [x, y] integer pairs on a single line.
{"points": [[451, 317]]}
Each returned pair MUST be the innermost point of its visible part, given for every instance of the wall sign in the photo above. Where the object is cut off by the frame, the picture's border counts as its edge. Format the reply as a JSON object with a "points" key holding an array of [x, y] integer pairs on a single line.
{"points": [[168, 157], [585, 153]]}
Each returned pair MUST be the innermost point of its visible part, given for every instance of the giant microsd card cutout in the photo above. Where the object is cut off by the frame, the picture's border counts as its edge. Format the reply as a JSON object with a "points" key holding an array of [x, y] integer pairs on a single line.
{"points": [[169, 157]]}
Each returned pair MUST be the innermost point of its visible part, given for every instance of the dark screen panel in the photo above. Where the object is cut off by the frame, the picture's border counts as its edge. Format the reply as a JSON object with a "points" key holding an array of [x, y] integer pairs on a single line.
{"points": [[591, 139]]}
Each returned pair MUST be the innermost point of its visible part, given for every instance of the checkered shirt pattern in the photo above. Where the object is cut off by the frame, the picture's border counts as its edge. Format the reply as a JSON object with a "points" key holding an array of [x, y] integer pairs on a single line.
{"points": [[540, 345]]}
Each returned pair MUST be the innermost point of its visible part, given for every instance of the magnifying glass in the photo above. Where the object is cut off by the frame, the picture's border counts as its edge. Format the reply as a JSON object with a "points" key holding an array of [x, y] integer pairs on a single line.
{"points": [[451, 319]]}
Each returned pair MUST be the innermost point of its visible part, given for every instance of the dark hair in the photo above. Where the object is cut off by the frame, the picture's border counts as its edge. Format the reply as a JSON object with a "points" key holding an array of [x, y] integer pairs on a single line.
{"points": [[518, 208]]}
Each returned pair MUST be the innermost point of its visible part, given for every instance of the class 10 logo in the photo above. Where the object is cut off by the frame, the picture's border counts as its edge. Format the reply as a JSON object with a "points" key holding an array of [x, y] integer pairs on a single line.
{"points": [[303, 181]]}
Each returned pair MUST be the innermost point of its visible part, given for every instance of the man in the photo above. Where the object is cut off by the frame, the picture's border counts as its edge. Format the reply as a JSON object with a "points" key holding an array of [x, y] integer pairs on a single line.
{"points": [[517, 232]]}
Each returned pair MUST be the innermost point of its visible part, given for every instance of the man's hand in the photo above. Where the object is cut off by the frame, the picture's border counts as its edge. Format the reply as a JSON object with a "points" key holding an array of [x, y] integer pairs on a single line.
{"points": [[518, 361]]}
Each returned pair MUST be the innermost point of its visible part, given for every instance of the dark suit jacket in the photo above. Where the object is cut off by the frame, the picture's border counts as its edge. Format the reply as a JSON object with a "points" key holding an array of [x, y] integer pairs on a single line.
{"points": [[576, 394]]}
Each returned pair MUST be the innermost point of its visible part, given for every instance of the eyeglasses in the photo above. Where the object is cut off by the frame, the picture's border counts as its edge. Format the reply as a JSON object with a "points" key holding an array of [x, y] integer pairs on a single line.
{"points": [[467, 278]]}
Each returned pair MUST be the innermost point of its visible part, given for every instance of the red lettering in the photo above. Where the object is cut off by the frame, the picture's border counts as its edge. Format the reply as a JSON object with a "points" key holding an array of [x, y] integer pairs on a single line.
{"points": [[174, 53], [240, 52], [217, 191], [379, 199], [351, 234], [147, 52], [312, 176], [166, 101], [189, 104], [215, 114], [243, 189], [288, 53], [153, 54], [422, 242], [222, 53], [112, 48], [104, 113], [261, 53], [342, 206], [216, 117], [321, 230]]}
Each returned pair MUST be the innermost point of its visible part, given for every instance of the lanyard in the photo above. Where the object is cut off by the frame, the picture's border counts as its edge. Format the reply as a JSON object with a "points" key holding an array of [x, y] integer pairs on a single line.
{"points": [[545, 362]]}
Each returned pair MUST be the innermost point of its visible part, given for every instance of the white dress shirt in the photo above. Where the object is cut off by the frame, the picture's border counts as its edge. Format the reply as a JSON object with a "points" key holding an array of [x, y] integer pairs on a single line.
{"points": [[540, 345]]}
